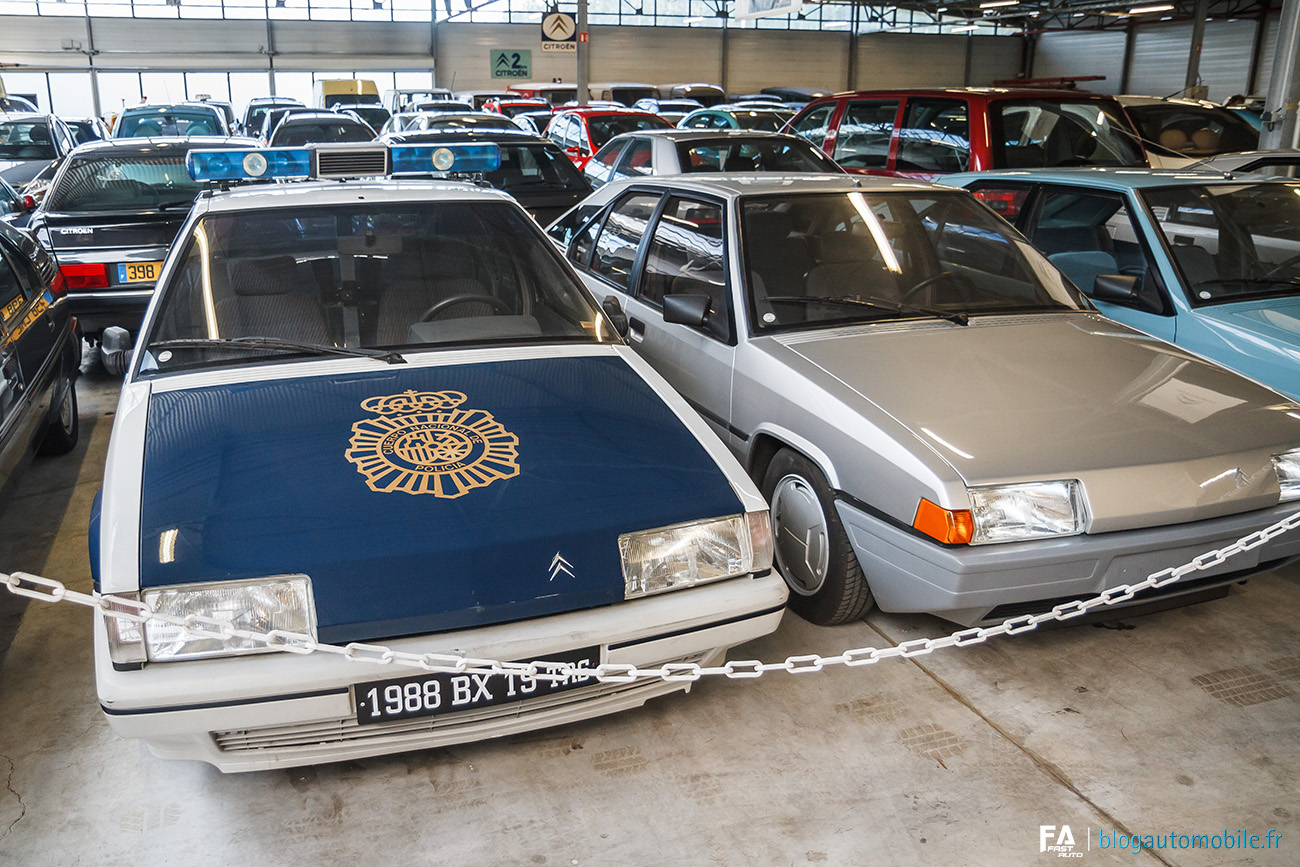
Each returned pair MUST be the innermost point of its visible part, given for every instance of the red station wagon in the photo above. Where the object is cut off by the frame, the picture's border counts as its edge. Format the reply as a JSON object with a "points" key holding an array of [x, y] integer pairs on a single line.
{"points": [[925, 133]]}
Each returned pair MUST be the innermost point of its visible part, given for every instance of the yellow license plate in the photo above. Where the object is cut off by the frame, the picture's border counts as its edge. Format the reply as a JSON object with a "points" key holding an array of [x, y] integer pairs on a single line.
{"points": [[138, 272]]}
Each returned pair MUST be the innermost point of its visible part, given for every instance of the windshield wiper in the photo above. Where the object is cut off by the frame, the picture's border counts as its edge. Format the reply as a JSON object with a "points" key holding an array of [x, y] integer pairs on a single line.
{"points": [[388, 356], [877, 303], [175, 203]]}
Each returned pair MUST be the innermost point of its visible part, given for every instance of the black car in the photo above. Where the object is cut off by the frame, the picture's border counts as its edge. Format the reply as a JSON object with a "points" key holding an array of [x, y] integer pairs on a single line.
{"points": [[323, 126], [38, 355], [534, 170], [29, 143], [111, 212], [258, 107]]}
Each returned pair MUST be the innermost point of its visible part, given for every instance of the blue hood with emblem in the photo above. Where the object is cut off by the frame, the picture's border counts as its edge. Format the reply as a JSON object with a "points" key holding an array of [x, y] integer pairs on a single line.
{"points": [[1259, 338], [421, 499]]}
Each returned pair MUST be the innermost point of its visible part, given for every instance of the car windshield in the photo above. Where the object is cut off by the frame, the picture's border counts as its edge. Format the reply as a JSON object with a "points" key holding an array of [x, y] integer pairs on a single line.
{"points": [[535, 168], [1194, 130], [258, 113], [752, 155], [605, 127], [469, 121], [169, 122], [116, 182], [1232, 241], [763, 121], [1045, 133], [292, 132], [842, 258], [347, 278], [26, 140]]}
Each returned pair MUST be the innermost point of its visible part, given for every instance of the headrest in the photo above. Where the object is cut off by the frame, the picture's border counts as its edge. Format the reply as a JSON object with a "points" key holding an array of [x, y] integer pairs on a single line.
{"points": [[768, 226], [265, 275], [39, 135], [1174, 139], [845, 247], [1205, 140]]}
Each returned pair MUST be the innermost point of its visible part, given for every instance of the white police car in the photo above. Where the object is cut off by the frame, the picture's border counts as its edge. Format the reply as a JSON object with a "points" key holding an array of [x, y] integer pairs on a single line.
{"points": [[388, 412]]}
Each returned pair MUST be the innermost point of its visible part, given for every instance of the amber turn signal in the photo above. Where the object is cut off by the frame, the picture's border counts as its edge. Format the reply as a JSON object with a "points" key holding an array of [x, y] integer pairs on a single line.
{"points": [[948, 526]]}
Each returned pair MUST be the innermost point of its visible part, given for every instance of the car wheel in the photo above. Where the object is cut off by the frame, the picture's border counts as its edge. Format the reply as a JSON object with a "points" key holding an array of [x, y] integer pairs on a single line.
{"points": [[812, 549], [61, 436]]}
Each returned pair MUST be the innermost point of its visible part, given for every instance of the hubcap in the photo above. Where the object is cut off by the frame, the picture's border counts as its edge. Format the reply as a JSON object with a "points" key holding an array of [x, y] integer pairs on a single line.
{"points": [[65, 411], [799, 524]]}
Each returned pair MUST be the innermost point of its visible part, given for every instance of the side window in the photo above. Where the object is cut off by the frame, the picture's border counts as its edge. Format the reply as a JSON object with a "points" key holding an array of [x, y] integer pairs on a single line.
{"points": [[12, 297], [1008, 201], [815, 124], [1086, 233], [865, 131], [616, 247], [578, 134], [686, 258], [701, 121], [636, 160], [935, 137], [565, 228], [607, 156], [560, 132]]}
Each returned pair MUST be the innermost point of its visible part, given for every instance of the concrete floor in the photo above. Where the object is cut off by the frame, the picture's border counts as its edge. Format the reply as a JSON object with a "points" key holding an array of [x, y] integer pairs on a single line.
{"points": [[1184, 722]]}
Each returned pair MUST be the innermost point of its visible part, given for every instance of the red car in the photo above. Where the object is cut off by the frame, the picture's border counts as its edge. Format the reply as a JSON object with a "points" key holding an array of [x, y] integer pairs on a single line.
{"points": [[583, 131], [924, 133]]}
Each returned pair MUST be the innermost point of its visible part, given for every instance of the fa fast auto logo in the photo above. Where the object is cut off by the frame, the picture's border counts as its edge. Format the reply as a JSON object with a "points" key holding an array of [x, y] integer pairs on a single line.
{"points": [[422, 442], [1057, 841]]}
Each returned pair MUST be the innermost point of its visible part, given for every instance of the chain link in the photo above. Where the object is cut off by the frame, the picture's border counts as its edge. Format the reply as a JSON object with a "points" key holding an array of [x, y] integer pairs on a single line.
{"points": [[49, 590]]}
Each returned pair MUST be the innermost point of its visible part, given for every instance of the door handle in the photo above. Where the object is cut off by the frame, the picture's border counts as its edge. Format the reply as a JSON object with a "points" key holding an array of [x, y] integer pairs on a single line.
{"points": [[635, 329]]}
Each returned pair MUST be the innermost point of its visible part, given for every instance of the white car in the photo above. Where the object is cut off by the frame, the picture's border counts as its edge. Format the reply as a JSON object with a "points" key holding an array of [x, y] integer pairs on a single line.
{"points": [[390, 413]]}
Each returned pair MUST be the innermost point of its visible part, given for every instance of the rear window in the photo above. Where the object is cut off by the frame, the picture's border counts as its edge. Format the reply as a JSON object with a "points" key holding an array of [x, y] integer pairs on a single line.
{"points": [[172, 122], [752, 155], [302, 133], [26, 140], [605, 128], [1042, 133], [116, 183]]}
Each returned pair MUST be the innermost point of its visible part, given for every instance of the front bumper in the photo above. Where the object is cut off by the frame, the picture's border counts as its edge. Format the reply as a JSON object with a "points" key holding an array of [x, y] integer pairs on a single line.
{"points": [[283, 710], [974, 585]]}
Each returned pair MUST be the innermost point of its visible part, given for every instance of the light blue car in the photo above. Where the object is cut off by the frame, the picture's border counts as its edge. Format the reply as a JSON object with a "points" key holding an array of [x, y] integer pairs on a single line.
{"points": [[1210, 262]]}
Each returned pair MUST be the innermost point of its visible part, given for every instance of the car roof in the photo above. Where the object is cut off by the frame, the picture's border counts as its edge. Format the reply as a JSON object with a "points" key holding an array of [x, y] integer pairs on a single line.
{"points": [[306, 194], [315, 115], [602, 112], [1116, 179], [154, 144], [734, 186], [500, 135], [24, 116]]}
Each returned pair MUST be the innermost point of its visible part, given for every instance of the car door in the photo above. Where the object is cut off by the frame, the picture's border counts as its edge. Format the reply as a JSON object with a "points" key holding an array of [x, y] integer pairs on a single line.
{"points": [[23, 327], [651, 246], [933, 138], [865, 135], [1088, 233]]}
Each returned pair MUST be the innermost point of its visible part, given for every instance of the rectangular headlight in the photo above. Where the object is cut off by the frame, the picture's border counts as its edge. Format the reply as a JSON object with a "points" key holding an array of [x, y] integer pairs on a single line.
{"points": [[281, 602], [1288, 474], [683, 555], [1013, 513]]}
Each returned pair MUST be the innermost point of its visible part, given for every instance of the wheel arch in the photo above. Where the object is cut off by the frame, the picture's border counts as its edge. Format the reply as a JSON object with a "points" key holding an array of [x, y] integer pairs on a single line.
{"points": [[770, 439]]}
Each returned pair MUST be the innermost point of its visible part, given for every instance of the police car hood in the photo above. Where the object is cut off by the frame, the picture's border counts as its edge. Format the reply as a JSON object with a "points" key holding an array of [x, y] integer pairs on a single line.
{"points": [[421, 499]]}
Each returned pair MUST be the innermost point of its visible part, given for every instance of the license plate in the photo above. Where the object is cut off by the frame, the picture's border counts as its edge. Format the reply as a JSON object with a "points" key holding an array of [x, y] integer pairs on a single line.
{"points": [[138, 272], [430, 694]]}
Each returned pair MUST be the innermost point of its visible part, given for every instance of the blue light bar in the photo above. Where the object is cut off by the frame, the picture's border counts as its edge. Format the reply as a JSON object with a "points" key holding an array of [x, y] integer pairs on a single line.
{"points": [[424, 159], [248, 165]]}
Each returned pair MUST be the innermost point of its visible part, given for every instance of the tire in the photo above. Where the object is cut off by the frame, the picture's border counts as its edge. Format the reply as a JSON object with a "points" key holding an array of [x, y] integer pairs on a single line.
{"points": [[61, 435], [827, 586]]}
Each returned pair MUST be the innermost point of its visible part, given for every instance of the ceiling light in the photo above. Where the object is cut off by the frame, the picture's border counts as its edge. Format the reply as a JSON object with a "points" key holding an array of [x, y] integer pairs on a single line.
{"points": [[964, 28], [993, 4], [1142, 10]]}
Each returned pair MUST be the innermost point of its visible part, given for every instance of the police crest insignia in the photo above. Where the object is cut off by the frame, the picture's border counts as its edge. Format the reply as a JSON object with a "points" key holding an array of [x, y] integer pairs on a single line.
{"points": [[424, 443]]}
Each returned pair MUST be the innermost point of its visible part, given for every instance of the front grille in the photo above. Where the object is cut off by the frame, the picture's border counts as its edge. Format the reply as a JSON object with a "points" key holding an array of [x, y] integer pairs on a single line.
{"points": [[347, 730], [351, 162]]}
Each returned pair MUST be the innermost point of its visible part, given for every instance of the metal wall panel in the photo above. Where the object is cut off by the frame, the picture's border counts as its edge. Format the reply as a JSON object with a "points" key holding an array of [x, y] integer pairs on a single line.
{"points": [[794, 58], [1161, 52], [887, 60], [1267, 51], [1082, 52], [994, 58]]}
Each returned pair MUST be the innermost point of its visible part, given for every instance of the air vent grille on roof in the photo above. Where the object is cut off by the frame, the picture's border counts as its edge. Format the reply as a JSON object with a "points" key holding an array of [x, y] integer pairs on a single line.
{"points": [[354, 162]]}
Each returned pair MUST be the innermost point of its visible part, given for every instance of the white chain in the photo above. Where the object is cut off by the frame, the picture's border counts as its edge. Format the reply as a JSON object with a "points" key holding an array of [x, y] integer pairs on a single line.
{"points": [[30, 586]]}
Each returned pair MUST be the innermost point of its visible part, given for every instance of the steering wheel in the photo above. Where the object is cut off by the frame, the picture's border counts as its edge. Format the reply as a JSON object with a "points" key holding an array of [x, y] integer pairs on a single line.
{"points": [[1283, 265], [497, 305], [962, 279]]}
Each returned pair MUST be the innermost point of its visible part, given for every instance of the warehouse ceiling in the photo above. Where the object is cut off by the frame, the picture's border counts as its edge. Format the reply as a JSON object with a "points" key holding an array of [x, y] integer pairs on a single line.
{"points": [[1034, 15]]}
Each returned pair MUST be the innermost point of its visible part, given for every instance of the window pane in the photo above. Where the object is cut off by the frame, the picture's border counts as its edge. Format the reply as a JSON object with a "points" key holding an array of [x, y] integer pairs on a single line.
{"points": [[935, 137], [617, 245], [865, 131], [814, 126], [686, 258]]}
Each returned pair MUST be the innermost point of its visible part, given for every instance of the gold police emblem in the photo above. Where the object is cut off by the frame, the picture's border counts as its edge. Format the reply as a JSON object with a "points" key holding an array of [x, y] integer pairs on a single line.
{"points": [[424, 443]]}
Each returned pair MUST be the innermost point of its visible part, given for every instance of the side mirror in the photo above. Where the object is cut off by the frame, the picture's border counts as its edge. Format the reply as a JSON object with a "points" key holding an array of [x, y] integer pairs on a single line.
{"points": [[29, 203], [115, 349], [684, 309], [1117, 288], [615, 313]]}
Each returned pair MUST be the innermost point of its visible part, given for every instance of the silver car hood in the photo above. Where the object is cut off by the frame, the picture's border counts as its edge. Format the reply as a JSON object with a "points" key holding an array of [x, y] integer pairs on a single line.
{"points": [[1155, 435]]}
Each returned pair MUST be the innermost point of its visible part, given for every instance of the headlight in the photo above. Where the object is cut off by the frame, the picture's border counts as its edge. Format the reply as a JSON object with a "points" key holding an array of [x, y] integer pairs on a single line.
{"points": [[1288, 474], [1012, 513], [683, 555], [261, 604]]}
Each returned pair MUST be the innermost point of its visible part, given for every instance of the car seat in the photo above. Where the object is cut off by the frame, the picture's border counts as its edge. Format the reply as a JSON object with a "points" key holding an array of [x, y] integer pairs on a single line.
{"points": [[266, 302]]}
